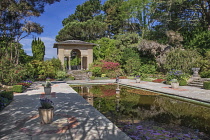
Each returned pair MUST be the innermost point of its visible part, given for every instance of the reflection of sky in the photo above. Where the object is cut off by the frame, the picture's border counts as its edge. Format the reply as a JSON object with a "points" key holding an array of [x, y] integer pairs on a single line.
{"points": [[51, 19]]}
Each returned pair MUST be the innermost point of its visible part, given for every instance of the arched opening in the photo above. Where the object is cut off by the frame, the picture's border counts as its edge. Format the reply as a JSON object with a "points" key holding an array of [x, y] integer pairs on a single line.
{"points": [[75, 59]]}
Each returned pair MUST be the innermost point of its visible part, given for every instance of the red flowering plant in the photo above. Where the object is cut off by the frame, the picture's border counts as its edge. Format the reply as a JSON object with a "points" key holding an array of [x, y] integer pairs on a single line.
{"points": [[23, 84], [26, 83], [110, 65], [111, 69], [158, 80]]}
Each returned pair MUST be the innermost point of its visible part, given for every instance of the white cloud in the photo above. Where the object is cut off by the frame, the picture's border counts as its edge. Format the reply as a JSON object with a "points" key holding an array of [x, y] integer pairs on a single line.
{"points": [[50, 52]]}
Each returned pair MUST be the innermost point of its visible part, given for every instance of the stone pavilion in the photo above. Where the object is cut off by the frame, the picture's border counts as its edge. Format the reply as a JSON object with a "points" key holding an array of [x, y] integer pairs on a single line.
{"points": [[75, 54]]}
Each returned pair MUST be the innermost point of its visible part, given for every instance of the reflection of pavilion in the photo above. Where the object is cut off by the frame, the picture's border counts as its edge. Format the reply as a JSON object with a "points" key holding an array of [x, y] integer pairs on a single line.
{"points": [[75, 54], [87, 95]]}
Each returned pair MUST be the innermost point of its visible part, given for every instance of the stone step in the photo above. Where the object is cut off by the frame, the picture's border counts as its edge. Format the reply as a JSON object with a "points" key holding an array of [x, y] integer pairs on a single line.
{"points": [[194, 84], [78, 74], [199, 80]]}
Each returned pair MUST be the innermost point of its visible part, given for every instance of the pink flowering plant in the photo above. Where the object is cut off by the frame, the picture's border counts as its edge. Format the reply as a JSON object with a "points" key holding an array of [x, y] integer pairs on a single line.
{"points": [[110, 65]]}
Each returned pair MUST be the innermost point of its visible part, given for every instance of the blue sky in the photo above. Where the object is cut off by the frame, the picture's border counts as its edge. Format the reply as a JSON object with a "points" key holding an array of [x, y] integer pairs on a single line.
{"points": [[51, 19]]}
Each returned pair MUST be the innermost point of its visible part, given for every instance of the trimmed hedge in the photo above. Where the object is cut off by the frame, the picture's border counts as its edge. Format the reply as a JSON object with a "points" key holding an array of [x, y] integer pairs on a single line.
{"points": [[92, 78], [5, 98], [18, 88], [182, 82], [7, 94], [206, 84]]}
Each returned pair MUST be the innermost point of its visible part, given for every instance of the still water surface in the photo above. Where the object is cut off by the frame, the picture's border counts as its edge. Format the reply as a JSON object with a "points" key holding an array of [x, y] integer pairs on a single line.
{"points": [[147, 115]]}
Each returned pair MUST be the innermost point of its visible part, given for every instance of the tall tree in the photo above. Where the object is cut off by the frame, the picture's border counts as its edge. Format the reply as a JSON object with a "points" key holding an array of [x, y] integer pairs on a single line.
{"points": [[15, 24], [87, 30], [86, 11], [137, 14], [85, 24], [38, 49], [113, 16]]}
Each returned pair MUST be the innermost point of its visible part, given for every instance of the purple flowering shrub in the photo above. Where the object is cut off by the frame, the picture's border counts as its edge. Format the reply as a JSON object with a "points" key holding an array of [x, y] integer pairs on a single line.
{"points": [[177, 74], [46, 103]]}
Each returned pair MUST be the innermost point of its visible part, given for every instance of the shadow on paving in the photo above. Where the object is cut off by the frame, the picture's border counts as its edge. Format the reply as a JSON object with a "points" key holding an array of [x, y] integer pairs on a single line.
{"points": [[74, 119]]}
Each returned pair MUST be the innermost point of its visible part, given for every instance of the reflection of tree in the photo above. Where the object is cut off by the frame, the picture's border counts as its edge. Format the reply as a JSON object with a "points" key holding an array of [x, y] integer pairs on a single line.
{"points": [[134, 107], [184, 113]]}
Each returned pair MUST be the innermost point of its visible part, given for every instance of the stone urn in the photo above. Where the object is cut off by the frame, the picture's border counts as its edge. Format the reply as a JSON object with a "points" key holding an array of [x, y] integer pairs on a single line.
{"points": [[195, 72], [138, 80], [46, 115], [175, 85], [47, 90]]}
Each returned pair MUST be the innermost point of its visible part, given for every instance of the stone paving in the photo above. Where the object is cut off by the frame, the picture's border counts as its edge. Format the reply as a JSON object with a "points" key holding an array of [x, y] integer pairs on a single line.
{"points": [[74, 118]]}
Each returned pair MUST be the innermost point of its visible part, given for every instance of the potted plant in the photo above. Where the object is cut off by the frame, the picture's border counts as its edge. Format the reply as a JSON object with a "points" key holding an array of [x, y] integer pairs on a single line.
{"points": [[138, 79], [46, 111], [47, 87], [174, 83]]}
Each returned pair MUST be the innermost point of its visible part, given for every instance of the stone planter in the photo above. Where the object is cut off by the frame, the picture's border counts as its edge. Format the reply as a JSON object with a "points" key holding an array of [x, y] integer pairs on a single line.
{"points": [[174, 85], [47, 90], [138, 80], [46, 115]]}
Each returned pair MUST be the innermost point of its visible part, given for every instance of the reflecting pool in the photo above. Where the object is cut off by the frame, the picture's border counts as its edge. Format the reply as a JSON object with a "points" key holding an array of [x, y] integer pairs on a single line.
{"points": [[147, 115]]}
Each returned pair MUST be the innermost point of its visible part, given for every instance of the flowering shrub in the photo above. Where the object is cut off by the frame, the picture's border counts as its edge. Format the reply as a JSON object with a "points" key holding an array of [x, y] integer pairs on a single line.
{"points": [[110, 65], [158, 80], [46, 103], [111, 69], [28, 82], [177, 74], [24, 84]]}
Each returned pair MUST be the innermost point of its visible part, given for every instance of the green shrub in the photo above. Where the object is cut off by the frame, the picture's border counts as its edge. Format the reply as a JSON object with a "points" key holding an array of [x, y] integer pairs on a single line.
{"points": [[92, 78], [205, 74], [206, 85], [72, 78], [56, 64], [103, 75], [7, 94], [168, 82], [180, 59], [18, 88], [96, 71], [60, 75], [182, 82]]}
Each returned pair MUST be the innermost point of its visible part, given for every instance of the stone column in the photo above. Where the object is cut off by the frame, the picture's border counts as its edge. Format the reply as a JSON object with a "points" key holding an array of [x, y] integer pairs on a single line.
{"points": [[87, 63], [64, 63], [69, 62], [81, 62]]}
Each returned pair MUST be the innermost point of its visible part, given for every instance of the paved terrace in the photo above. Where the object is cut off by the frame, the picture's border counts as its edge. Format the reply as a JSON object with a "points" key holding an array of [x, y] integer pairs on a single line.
{"points": [[74, 118]]}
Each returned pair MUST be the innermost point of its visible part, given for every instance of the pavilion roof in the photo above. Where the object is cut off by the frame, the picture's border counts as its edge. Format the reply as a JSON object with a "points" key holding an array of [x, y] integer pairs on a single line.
{"points": [[73, 42]]}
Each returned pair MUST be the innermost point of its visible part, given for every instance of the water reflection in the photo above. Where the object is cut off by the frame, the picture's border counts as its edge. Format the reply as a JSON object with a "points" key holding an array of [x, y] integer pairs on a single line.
{"points": [[126, 105], [84, 91]]}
